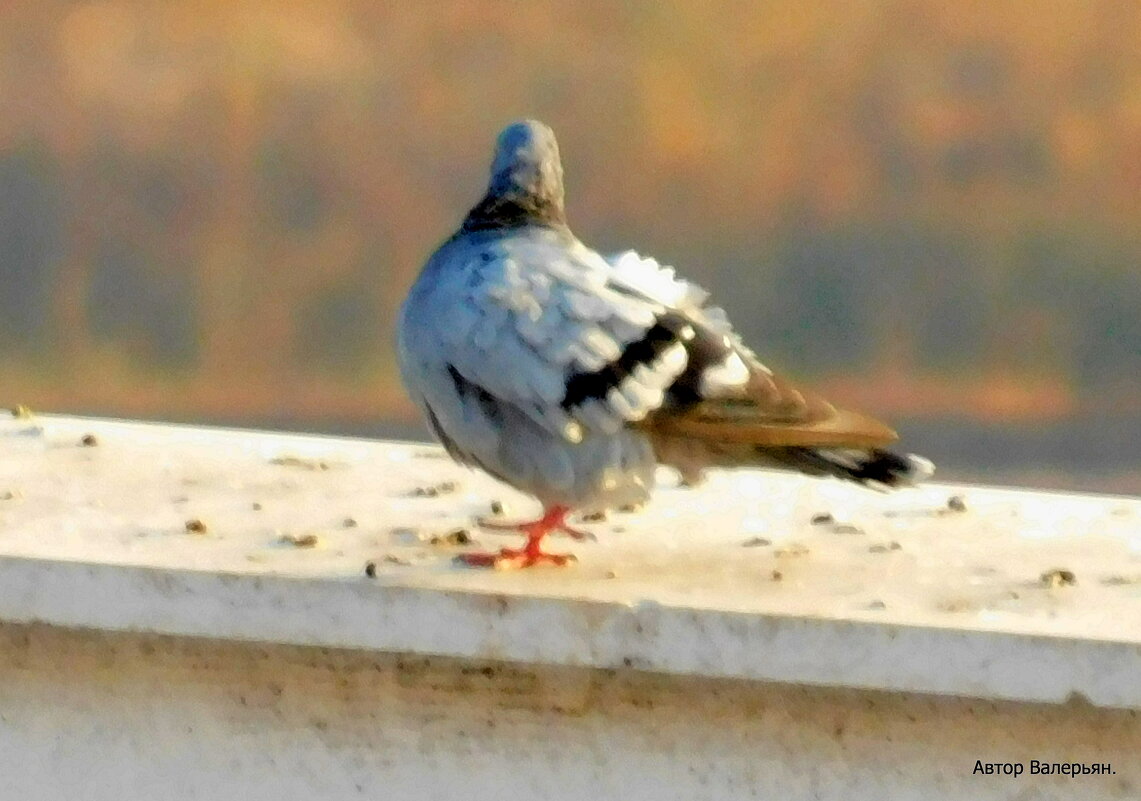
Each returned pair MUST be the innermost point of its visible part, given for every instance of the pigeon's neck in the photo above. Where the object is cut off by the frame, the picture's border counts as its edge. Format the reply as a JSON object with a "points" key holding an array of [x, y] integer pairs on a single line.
{"points": [[515, 211]]}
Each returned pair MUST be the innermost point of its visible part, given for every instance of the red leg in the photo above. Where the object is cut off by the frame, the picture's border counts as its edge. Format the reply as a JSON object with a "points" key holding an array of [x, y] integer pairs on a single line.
{"points": [[577, 533], [560, 526], [532, 553]]}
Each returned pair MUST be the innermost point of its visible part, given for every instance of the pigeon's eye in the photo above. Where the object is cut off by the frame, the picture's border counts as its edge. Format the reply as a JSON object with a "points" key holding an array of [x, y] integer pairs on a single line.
{"points": [[485, 257]]}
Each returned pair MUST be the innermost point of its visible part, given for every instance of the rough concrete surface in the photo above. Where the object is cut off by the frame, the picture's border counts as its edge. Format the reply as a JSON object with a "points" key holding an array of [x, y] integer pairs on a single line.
{"points": [[188, 609], [116, 716]]}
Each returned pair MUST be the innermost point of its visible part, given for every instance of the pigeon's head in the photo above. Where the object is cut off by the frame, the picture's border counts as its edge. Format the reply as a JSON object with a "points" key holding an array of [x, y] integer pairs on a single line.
{"points": [[527, 162], [526, 186]]}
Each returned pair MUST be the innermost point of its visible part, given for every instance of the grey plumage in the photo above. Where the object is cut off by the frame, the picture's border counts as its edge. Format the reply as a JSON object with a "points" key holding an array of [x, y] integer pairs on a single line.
{"points": [[571, 376]]}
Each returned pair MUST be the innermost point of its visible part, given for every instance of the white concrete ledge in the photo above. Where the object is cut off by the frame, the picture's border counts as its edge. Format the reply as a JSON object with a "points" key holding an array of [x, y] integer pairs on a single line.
{"points": [[732, 580], [185, 613]]}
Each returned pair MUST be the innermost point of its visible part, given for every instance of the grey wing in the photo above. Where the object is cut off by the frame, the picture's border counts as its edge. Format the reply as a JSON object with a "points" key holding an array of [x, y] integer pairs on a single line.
{"points": [[555, 331], [575, 343], [727, 408]]}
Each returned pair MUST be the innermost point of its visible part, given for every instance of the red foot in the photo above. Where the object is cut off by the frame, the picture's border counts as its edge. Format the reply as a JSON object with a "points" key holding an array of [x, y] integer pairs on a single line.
{"points": [[532, 553], [554, 519], [510, 558]]}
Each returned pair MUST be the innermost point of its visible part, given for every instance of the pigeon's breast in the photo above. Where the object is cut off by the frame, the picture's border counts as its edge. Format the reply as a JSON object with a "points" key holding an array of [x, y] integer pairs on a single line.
{"points": [[597, 473], [486, 432], [481, 341]]}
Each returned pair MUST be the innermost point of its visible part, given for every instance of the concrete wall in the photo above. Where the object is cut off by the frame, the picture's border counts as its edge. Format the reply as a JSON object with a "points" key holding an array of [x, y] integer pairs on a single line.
{"points": [[185, 613], [98, 715]]}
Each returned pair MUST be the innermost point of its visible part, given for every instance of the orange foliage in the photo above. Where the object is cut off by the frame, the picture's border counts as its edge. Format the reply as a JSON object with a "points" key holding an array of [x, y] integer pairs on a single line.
{"points": [[268, 165]]}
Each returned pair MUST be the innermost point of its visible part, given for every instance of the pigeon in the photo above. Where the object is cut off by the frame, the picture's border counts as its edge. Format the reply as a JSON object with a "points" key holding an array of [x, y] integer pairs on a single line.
{"points": [[571, 376]]}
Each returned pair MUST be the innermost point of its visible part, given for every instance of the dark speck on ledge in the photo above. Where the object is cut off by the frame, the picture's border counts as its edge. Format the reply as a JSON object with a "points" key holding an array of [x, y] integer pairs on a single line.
{"points": [[1058, 578], [304, 464], [300, 540], [435, 490], [458, 536]]}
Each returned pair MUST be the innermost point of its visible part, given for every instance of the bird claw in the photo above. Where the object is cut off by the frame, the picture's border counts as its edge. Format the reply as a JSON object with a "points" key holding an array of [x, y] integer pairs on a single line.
{"points": [[498, 525], [531, 554], [578, 534], [574, 533], [511, 559]]}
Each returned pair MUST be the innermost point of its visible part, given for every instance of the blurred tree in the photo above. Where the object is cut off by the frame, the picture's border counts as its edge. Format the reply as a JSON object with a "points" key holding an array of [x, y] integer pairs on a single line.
{"points": [[149, 313], [30, 246], [925, 194]]}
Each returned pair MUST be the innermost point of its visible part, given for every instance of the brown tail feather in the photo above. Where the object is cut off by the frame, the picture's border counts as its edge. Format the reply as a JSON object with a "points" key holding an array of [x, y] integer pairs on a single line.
{"points": [[716, 423], [773, 423]]}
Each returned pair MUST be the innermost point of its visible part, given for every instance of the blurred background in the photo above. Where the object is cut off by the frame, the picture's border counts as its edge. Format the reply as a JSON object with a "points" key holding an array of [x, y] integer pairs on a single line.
{"points": [[210, 211]]}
